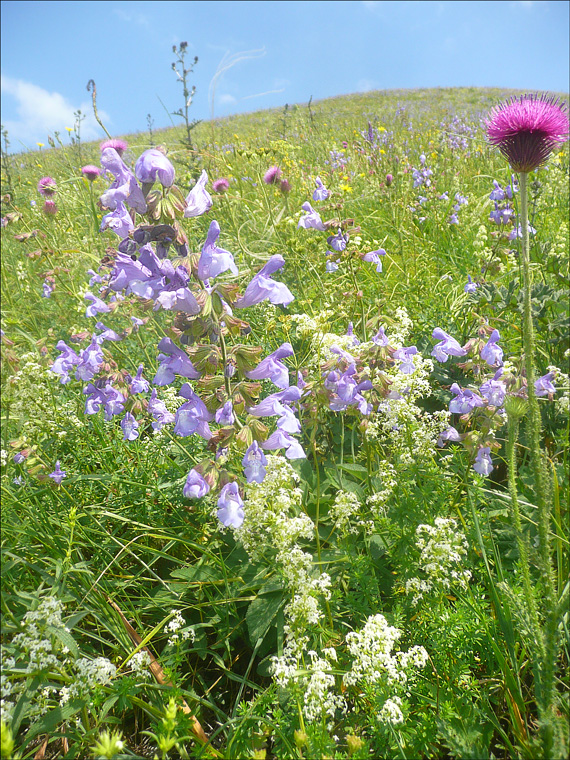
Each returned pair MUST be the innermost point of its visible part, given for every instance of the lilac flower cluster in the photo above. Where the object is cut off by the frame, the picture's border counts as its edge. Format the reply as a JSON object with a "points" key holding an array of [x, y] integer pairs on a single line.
{"points": [[422, 176], [503, 212]]}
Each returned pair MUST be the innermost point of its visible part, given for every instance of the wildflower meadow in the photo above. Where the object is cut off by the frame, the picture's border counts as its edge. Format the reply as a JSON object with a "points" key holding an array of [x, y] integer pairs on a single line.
{"points": [[285, 419]]}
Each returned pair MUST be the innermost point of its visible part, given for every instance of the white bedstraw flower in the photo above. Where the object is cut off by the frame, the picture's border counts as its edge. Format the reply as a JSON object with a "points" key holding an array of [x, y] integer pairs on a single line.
{"points": [[391, 712]]}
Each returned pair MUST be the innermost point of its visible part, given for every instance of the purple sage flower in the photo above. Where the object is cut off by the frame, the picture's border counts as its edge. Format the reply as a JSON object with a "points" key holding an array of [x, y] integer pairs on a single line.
{"points": [[447, 346], [272, 369], [254, 462], [198, 200], [64, 362], [138, 383], [471, 286], [107, 333], [119, 221], [47, 289], [404, 355], [225, 414], [262, 286], [373, 257], [157, 409], [450, 434], [195, 486], [152, 165], [312, 219], [465, 400], [58, 474], [230, 506], [483, 464], [173, 361], [129, 426], [124, 188], [320, 193], [543, 386], [338, 242], [97, 306], [491, 352], [213, 260]]}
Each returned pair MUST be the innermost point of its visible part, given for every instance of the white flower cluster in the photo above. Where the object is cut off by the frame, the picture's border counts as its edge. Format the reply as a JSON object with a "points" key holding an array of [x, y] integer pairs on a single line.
{"points": [[175, 626], [443, 547], [3, 458], [275, 523], [33, 402], [378, 501], [409, 432], [313, 682], [373, 659], [391, 712], [401, 328], [139, 663], [345, 513]]}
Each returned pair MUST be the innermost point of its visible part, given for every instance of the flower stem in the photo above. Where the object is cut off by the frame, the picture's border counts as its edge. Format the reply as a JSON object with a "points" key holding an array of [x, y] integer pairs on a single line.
{"points": [[536, 458]]}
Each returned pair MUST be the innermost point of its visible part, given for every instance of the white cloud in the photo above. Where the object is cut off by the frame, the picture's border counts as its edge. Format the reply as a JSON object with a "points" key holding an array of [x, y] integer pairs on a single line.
{"points": [[41, 113], [226, 99], [366, 85], [524, 3]]}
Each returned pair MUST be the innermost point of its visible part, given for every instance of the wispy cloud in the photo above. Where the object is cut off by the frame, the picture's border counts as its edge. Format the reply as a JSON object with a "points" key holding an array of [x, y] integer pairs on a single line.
{"points": [[522, 3], [40, 113], [261, 94], [366, 85], [132, 17]]}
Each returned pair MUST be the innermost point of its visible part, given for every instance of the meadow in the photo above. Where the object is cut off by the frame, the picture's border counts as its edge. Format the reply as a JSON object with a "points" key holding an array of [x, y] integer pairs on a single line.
{"points": [[272, 482]]}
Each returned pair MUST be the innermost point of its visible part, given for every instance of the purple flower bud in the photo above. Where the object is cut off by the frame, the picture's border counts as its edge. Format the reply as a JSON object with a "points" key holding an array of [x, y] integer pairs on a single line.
{"points": [[49, 208], [389, 180], [471, 286], [225, 414]]}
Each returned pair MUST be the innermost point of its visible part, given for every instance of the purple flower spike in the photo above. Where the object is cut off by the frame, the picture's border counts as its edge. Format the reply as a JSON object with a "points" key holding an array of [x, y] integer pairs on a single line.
{"points": [[230, 506], [483, 464], [312, 219], [272, 369], [527, 128], [58, 474], [447, 346], [262, 287], [130, 427], [198, 200], [195, 486], [543, 386], [153, 165], [213, 260], [321, 193], [491, 352], [254, 463], [373, 257]]}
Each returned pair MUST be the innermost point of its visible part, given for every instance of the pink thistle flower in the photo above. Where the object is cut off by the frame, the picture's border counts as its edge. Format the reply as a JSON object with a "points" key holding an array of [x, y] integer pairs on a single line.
{"points": [[47, 187], [49, 208], [527, 128], [272, 175], [220, 185], [91, 172], [119, 145]]}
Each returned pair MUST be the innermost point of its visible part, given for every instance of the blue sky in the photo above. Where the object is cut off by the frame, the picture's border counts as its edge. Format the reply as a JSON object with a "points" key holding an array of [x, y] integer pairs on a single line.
{"points": [[282, 52]]}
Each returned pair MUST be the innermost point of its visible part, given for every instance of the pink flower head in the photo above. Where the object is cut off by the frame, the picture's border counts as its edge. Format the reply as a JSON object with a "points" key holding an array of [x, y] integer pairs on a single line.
{"points": [[526, 129], [47, 187], [119, 145], [49, 208], [220, 185], [272, 175], [91, 172]]}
